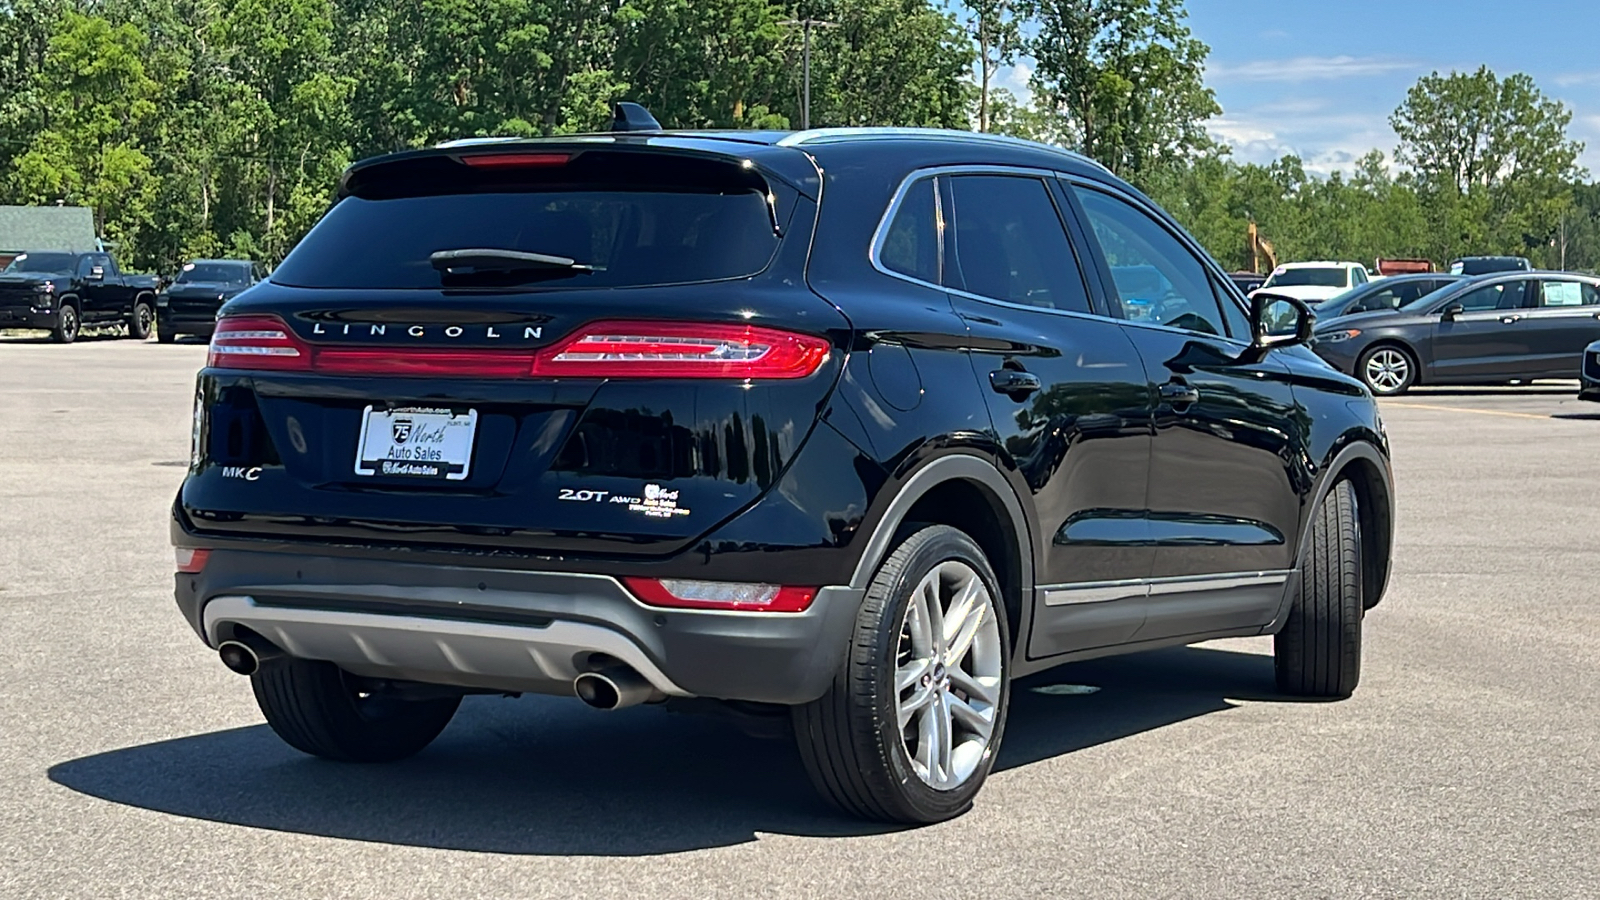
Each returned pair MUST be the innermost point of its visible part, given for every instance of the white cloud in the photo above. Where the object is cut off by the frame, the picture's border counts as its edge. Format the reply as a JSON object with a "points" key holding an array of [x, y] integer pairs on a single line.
{"points": [[1307, 68], [1015, 79], [1576, 79], [1327, 139]]}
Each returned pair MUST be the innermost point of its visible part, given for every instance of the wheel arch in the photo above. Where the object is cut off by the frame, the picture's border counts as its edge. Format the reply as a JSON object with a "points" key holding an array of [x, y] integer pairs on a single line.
{"points": [[1361, 462], [968, 493]]}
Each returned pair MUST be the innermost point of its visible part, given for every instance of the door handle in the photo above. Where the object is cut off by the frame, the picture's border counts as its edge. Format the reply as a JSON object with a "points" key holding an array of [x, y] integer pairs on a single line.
{"points": [[1510, 320], [1177, 393], [1014, 383]]}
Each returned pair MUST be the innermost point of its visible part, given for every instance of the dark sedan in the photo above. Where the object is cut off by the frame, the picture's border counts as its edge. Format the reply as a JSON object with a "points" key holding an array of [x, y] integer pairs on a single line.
{"points": [[1493, 329], [189, 305], [1383, 295], [1589, 387]]}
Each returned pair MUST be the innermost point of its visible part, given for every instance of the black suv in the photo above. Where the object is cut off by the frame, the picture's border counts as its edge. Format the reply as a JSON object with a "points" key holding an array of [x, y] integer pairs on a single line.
{"points": [[189, 305], [847, 428]]}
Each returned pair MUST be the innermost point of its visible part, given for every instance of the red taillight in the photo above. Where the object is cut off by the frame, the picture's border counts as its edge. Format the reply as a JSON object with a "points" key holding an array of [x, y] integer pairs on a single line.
{"points": [[515, 160], [599, 350], [689, 594], [683, 350], [190, 560], [257, 342]]}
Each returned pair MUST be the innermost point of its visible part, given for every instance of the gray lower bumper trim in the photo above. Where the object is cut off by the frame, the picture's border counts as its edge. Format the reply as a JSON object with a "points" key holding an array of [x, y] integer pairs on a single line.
{"points": [[467, 654]]}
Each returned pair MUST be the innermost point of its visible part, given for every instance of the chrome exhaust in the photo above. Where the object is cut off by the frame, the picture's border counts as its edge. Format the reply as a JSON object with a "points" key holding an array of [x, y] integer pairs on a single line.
{"points": [[613, 687], [247, 653]]}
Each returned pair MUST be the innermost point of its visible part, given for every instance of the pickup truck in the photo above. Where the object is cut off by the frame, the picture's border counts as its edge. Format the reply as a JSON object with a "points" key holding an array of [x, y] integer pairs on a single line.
{"points": [[62, 292]]}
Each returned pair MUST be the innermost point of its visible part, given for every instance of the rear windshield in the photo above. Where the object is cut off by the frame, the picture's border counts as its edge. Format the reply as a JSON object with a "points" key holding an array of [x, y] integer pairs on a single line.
{"points": [[626, 238], [1309, 278], [215, 273]]}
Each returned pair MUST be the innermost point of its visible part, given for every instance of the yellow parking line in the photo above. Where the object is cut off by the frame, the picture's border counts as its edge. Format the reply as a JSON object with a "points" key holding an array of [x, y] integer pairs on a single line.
{"points": [[1463, 409]]}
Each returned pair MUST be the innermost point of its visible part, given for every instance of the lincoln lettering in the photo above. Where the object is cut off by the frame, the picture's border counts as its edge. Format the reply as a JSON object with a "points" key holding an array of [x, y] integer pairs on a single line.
{"points": [[489, 332]]}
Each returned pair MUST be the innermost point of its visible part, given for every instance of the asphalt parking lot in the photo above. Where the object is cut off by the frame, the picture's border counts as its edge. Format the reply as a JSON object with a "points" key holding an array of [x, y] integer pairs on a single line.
{"points": [[1467, 764]]}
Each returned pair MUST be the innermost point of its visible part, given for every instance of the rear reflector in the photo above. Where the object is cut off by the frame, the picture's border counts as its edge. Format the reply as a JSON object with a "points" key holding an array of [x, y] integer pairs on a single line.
{"points": [[515, 160], [190, 560], [598, 350], [729, 595]]}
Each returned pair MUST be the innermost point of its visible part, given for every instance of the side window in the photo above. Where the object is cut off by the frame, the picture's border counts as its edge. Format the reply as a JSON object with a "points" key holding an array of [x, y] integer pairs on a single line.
{"points": [[1008, 244], [1358, 276], [911, 245], [1566, 293], [1505, 295], [1386, 298], [1158, 280], [106, 265], [85, 263]]}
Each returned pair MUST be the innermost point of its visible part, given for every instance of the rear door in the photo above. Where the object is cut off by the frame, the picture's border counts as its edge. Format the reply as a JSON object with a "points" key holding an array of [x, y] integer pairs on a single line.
{"points": [[1223, 511], [1066, 397], [1489, 339], [1564, 322]]}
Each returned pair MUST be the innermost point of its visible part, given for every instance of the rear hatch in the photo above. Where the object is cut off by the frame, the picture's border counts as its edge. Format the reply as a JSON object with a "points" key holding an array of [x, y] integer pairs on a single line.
{"points": [[564, 349]]}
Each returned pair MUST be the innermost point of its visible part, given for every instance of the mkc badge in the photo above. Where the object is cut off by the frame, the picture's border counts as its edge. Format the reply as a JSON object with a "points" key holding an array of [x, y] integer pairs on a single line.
{"points": [[402, 430]]}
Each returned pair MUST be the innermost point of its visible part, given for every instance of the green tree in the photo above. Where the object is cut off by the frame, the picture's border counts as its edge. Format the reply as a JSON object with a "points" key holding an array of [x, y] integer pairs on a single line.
{"points": [[890, 62], [996, 27], [1124, 80]]}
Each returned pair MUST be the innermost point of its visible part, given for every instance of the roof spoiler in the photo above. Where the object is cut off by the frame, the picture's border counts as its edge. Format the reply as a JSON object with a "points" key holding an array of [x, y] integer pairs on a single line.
{"points": [[633, 117]]}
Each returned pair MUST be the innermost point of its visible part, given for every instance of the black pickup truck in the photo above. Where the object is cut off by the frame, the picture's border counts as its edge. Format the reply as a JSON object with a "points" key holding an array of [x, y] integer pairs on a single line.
{"points": [[62, 292]]}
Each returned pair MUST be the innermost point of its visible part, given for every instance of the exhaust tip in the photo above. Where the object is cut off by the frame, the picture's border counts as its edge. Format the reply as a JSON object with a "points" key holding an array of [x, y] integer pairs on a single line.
{"points": [[597, 690], [239, 657]]}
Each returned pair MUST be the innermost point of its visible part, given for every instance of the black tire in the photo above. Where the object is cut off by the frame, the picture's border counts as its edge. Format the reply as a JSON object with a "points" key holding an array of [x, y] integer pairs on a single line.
{"points": [[316, 708], [1386, 357], [1318, 652], [165, 336], [851, 740], [68, 324], [141, 321]]}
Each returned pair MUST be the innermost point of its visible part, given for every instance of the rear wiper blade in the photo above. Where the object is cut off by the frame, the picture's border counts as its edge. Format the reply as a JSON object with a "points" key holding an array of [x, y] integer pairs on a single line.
{"points": [[491, 260]]}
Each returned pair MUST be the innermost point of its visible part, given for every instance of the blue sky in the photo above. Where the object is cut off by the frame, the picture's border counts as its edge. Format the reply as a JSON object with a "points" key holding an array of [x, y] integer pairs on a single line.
{"points": [[1320, 79]]}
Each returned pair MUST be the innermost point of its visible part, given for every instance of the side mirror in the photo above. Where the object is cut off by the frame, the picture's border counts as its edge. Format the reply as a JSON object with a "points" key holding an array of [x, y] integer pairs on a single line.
{"points": [[1450, 312], [1278, 320], [96, 273]]}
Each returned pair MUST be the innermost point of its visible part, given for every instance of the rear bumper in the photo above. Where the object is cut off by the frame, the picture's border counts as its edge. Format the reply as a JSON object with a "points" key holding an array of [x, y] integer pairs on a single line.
{"points": [[512, 630]]}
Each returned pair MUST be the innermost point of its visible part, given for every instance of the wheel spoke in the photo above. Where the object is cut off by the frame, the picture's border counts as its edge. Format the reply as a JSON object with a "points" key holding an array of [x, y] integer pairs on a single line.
{"points": [[933, 608], [962, 642], [962, 608], [911, 672], [934, 743], [980, 689], [920, 698], [970, 717], [917, 623]]}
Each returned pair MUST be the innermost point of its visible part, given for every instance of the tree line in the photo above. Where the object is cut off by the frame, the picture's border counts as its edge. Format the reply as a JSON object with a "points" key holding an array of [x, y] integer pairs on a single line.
{"points": [[195, 128]]}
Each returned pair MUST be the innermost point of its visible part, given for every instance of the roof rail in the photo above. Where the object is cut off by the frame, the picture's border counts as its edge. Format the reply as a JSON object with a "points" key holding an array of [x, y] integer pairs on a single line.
{"points": [[824, 135]]}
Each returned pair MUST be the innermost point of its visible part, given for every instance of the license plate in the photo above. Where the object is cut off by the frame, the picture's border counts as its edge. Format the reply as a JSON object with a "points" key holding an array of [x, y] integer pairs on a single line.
{"points": [[427, 444]]}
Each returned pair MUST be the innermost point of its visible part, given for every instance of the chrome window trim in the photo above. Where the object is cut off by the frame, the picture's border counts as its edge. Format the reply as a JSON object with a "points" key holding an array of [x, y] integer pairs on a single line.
{"points": [[1131, 589], [881, 233]]}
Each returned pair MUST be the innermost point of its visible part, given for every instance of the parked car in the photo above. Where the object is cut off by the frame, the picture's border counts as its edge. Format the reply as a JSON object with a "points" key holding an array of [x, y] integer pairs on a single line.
{"points": [[828, 427], [61, 292], [1493, 329], [1247, 281], [189, 304], [1486, 265], [1589, 374], [1390, 292], [1313, 282]]}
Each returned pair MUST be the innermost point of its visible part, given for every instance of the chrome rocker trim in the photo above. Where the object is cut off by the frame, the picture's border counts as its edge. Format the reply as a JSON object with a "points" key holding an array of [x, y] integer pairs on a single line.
{"points": [[1104, 591]]}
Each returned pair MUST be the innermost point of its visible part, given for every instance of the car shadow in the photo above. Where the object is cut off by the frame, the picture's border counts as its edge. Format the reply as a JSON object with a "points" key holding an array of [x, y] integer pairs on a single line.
{"points": [[548, 776], [1517, 390]]}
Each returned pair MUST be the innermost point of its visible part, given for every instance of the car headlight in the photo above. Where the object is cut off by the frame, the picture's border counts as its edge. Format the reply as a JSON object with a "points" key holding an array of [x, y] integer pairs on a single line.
{"points": [[1334, 337], [49, 287]]}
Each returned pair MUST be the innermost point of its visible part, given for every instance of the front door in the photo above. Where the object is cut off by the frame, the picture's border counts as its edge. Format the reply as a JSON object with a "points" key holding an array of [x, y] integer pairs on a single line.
{"points": [[1225, 469], [1564, 320], [1489, 339], [1067, 400]]}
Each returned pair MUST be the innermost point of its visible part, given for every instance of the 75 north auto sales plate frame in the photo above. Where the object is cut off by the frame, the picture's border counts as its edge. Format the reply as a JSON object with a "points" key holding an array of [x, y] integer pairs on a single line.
{"points": [[416, 442]]}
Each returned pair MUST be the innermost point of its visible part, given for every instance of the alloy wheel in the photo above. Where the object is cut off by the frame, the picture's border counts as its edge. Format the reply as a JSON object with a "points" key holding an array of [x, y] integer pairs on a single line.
{"points": [[69, 323], [948, 675], [1387, 370]]}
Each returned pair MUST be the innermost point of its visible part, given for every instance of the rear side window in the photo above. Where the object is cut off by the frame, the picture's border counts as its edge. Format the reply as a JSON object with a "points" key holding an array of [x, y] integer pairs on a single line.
{"points": [[628, 220], [1568, 293], [911, 245], [1158, 280], [1008, 244]]}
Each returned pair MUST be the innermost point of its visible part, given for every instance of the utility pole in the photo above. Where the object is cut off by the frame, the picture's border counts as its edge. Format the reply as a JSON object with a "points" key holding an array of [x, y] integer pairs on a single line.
{"points": [[806, 25]]}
